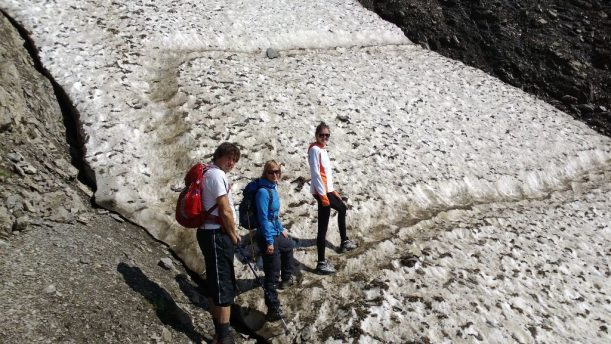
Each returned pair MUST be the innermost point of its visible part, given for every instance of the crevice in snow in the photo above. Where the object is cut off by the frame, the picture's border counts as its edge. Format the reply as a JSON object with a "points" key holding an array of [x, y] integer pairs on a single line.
{"points": [[74, 131]]}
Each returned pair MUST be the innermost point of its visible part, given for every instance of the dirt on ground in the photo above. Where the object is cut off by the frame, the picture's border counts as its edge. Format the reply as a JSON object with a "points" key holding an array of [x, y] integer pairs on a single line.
{"points": [[558, 50]]}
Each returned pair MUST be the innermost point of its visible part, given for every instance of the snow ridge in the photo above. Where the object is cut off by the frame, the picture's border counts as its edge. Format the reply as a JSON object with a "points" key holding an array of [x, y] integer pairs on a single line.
{"points": [[446, 195], [312, 39]]}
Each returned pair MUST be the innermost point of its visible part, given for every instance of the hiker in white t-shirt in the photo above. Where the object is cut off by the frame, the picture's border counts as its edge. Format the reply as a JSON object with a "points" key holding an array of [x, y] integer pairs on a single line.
{"points": [[218, 237], [326, 196]]}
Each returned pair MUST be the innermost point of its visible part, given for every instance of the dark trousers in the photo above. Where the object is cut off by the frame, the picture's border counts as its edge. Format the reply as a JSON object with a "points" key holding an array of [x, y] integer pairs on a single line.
{"points": [[323, 222], [275, 265], [218, 251]]}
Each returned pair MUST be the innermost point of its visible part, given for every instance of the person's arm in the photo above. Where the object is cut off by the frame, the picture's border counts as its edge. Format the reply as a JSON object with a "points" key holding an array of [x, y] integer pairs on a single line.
{"points": [[262, 205], [226, 218], [283, 231], [317, 180]]}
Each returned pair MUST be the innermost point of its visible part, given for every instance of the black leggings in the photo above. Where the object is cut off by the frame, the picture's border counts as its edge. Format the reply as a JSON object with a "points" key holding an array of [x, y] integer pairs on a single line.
{"points": [[323, 222]]}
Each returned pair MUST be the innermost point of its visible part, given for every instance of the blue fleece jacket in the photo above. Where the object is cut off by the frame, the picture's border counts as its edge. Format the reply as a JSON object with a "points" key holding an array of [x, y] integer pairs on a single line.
{"points": [[269, 221]]}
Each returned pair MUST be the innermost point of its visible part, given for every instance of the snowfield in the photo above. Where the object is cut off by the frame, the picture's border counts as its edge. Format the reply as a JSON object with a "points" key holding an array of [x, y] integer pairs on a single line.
{"points": [[482, 213]]}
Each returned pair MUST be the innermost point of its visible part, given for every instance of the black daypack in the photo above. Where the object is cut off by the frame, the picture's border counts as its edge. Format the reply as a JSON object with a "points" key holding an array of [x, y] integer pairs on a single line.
{"points": [[247, 208]]}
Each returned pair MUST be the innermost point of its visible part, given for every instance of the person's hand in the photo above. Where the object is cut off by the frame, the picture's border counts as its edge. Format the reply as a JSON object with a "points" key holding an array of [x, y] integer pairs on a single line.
{"points": [[235, 238], [325, 200], [270, 249], [285, 234]]}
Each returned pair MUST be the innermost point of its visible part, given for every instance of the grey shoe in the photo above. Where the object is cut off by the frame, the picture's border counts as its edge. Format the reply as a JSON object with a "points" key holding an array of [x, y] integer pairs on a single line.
{"points": [[346, 246], [324, 268], [285, 284]]}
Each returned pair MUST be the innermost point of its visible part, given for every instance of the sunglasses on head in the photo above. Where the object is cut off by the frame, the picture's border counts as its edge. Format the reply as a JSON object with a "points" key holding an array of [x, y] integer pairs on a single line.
{"points": [[273, 172], [324, 136]]}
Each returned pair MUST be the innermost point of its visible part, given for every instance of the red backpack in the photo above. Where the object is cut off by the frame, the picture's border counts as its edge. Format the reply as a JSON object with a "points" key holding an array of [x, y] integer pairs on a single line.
{"points": [[190, 211]]}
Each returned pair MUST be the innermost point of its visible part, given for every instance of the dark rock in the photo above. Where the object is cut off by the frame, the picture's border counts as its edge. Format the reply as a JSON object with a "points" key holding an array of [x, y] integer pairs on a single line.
{"points": [[272, 53], [61, 215], [6, 220], [409, 261], [166, 263], [21, 224], [17, 169], [343, 118], [6, 122], [50, 289], [569, 99], [15, 157], [29, 169], [117, 217], [306, 333], [300, 181], [14, 202], [586, 108], [552, 50]]}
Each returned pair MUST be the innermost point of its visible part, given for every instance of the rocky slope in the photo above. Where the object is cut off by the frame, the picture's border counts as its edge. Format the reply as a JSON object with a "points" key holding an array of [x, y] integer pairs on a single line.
{"points": [[72, 273], [558, 50]]}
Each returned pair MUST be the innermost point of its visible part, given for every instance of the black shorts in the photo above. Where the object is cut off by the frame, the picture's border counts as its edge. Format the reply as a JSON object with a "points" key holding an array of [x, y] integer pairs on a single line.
{"points": [[218, 253]]}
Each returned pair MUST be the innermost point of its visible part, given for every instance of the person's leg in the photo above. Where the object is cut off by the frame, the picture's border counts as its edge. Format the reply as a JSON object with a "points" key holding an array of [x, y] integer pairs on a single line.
{"points": [[206, 245], [224, 292], [340, 206], [286, 246], [323, 224], [271, 269], [223, 315], [222, 326]]}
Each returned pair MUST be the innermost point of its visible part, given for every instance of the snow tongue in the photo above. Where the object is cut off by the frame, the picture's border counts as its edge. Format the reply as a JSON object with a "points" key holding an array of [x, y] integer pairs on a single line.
{"points": [[420, 144]]}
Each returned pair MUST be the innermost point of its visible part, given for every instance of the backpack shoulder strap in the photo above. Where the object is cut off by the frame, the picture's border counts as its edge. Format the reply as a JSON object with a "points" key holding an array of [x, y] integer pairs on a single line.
{"points": [[269, 207], [269, 192]]}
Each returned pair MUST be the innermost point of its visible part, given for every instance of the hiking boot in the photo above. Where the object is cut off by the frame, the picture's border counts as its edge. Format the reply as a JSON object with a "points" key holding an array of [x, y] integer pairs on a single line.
{"points": [[346, 246], [324, 268], [273, 315], [285, 284], [230, 339], [227, 340]]}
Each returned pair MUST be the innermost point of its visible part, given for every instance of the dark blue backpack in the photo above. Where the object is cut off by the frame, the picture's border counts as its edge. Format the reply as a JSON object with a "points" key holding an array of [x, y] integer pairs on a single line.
{"points": [[247, 208]]}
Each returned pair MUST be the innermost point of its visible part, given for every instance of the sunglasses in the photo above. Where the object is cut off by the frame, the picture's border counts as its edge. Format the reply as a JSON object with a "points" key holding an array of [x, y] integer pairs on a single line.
{"points": [[273, 172], [324, 136]]}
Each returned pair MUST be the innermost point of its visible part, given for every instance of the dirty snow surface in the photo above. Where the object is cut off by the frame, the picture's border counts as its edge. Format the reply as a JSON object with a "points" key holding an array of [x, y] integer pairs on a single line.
{"points": [[482, 214]]}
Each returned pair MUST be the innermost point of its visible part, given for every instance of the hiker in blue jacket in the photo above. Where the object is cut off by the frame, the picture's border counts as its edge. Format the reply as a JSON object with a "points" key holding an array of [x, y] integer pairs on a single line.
{"points": [[276, 247]]}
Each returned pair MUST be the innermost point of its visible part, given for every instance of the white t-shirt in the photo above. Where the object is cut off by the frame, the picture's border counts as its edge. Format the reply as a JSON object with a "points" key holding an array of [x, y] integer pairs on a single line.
{"points": [[215, 185]]}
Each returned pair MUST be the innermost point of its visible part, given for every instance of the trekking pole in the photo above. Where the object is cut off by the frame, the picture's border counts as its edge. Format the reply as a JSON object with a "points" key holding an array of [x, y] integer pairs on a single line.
{"points": [[258, 279]]}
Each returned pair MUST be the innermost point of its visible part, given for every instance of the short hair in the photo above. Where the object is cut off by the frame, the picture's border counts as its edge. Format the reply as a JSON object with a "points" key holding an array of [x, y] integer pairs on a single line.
{"points": [[320, 127], [226, 149], [270, 164]]}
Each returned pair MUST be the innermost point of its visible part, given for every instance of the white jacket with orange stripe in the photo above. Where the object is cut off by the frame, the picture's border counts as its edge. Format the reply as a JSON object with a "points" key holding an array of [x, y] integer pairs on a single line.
{"points": [[320, 171]]}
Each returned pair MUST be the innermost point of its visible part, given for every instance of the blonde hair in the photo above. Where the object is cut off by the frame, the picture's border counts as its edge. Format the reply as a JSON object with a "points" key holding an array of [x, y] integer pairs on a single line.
{"points": [[269, 166]]}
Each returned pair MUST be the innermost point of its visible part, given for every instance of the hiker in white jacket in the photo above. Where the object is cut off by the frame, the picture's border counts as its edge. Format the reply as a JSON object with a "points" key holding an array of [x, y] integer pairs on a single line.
{"points": [[326, 196]]}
